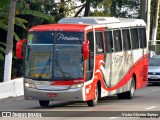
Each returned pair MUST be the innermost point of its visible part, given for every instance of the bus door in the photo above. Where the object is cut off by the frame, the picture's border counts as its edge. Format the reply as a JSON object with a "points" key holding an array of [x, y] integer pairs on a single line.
{"points": [[100, 52], [90, 61]]}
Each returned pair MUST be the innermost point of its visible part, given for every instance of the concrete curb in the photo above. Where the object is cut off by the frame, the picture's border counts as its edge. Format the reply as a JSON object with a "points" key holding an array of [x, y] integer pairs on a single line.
{"points": [[12, 88]]}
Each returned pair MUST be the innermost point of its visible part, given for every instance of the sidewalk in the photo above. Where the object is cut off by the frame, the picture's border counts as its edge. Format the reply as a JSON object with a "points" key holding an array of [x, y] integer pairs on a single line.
{"points": [[12, 88]]}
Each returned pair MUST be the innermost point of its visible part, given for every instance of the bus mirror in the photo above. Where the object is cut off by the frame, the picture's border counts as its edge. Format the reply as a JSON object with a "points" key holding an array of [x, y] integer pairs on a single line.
{"points": [[85, 49], [19, 48]]}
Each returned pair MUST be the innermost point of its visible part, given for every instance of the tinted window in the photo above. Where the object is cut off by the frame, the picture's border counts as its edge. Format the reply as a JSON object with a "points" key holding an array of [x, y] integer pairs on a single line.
{"points": [[126, 39], [117, 40], [43, 37], [134, 38], [142, 37], [91, 41], [91, 59], [108, 40], [99, 42]]}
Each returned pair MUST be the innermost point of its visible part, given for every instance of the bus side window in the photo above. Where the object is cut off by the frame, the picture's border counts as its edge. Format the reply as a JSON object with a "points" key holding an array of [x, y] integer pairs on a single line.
{"points": [[108, 41], [126, 39], [117, 40], [91, 47], [142, 36], [99, 42], [134, 38], [91, 41]]}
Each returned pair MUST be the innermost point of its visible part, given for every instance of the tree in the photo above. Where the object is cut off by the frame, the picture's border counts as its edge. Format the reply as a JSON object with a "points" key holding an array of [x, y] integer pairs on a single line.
{"points": [[125, 8], [19, 22], [87, 8]]}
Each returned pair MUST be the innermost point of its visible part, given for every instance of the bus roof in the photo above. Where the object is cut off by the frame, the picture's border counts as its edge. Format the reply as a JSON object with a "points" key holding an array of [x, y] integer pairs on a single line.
{"points": [[59, 27], [111, 22], [90, 20], [126, 22], [82, 23]]}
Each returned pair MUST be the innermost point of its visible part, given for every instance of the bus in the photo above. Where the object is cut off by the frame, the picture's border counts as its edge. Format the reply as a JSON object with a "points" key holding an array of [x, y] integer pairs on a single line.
{"points": [[84, 59]]}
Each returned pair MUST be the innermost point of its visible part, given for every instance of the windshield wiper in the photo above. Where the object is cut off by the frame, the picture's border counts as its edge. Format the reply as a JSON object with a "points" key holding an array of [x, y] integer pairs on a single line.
{"points": [[44, 68]]}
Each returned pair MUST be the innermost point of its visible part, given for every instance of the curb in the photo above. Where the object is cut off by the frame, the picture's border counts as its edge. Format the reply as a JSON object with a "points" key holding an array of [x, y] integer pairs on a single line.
{"points": [[11, 88]]}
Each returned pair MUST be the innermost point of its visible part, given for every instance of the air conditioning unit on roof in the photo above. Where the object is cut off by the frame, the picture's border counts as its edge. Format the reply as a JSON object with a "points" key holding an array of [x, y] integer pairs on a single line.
{"points": [[89, 20]]}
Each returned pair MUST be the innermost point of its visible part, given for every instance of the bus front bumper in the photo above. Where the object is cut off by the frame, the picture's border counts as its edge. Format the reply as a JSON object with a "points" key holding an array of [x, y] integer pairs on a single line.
{"points": [[62, 95]]}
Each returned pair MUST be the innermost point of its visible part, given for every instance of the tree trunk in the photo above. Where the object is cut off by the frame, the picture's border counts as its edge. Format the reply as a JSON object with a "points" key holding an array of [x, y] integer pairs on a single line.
{"points": [[79, 11], [87, 8], [9, 45]]}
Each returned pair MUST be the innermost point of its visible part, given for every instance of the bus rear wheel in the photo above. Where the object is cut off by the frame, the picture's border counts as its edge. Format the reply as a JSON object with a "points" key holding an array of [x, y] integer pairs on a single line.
{"points": [[92, 103], [121, 96], [44, 103], [130, 93]]}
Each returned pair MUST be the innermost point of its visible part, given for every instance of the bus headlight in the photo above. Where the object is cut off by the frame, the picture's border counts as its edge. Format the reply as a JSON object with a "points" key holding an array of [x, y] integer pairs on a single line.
{"points": [[29, 85], [76, 85]]}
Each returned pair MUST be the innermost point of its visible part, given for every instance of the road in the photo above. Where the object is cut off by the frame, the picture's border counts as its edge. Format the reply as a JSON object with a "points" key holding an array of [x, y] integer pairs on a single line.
{"points": [[146, 99]]}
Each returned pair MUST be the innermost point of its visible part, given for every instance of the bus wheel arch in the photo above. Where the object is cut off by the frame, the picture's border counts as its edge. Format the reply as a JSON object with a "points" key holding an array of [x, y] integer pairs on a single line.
{"points": [[129, 94], [92, 103], [99, 89]]}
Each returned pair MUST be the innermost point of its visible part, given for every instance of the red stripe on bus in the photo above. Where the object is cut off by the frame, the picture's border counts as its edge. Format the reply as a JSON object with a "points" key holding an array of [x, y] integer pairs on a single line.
{"points": [[129, 75]]}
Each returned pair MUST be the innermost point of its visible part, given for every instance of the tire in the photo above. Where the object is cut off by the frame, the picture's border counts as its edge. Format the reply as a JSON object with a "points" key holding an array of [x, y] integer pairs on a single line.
{"points": [[44, 103], [121, 96], [130, 94], [92, 103]]}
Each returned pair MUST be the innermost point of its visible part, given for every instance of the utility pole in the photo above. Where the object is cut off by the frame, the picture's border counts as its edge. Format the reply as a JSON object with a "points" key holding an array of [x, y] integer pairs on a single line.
{"points": [[145, 10], [155, 21], [9, 45], [148, 18]]}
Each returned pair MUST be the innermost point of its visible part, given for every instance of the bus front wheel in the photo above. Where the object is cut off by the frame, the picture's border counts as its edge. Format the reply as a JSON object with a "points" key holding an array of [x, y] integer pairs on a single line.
{"points": [[44, 103], [92, 103]]}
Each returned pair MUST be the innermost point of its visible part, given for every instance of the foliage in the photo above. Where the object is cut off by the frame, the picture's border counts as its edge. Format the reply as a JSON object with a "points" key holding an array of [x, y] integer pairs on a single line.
{"points": [[21, 24], [116, 8], [2, 50], [125, 8], [98, 13]]}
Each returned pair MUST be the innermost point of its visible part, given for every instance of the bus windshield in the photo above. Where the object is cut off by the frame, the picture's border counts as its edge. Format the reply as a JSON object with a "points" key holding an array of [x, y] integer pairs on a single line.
{"points": [[54, 55]]}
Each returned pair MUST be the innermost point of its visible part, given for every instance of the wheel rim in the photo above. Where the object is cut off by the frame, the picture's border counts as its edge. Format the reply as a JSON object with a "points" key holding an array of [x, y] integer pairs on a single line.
{"points": [[132, 88], [96, 94]]}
